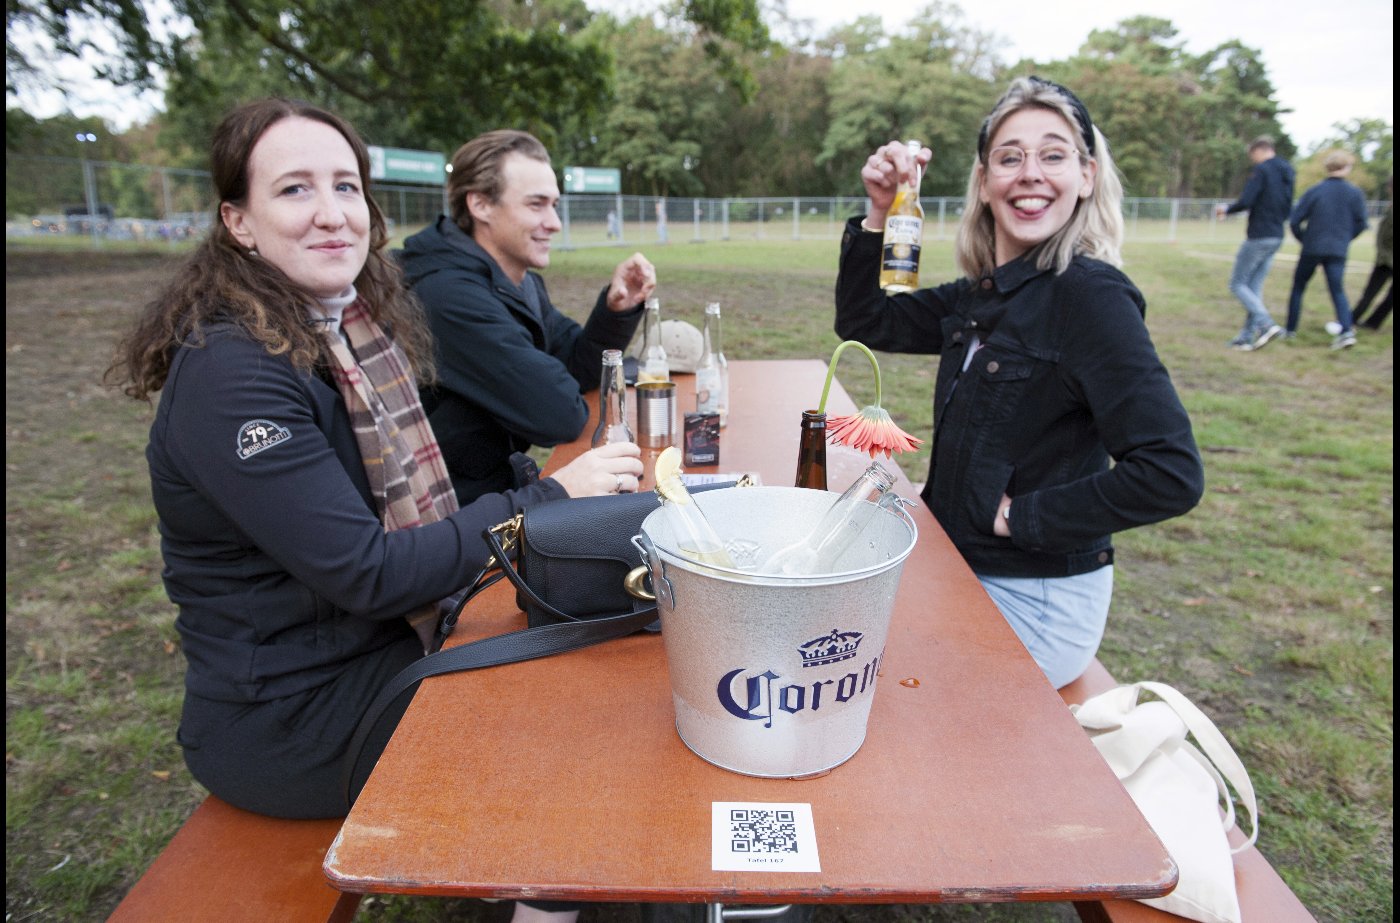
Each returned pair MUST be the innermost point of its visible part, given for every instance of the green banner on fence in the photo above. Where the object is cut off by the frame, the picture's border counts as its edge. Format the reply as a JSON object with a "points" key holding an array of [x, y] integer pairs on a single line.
{"points": [[393, 163], [592, 179]]}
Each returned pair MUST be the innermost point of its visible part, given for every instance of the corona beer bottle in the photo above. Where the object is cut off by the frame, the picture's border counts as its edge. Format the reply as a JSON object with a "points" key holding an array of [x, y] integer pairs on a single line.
{"points": [[904, 233]]}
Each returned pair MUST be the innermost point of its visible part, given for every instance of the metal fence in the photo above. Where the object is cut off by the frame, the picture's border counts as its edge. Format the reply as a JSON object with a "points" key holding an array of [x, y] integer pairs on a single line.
{"points": [[105, 201]]}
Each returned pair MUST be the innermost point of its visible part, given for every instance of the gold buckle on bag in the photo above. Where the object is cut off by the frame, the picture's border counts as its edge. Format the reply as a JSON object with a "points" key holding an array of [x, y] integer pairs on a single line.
{"points": [[508, 532]]}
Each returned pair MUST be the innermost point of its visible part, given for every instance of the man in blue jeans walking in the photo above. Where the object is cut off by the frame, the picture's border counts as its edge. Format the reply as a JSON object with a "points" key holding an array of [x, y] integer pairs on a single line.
{"points": [[1268, 197]]}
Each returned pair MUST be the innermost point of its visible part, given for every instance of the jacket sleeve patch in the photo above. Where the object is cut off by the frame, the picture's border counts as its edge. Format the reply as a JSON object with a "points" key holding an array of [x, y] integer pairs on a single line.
{"points": [[257, 435]]}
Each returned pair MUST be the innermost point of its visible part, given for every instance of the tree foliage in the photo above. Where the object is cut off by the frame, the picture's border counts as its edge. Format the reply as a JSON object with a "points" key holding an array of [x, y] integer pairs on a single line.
{"points": [[693, 100]]}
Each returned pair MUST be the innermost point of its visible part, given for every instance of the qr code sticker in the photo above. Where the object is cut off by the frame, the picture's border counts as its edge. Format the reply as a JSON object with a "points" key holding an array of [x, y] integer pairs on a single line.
{"points": [[757, 831]]}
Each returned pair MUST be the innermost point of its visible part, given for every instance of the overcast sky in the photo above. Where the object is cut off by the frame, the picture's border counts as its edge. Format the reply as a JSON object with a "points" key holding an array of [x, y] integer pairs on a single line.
{"points": [[1329, 61]]}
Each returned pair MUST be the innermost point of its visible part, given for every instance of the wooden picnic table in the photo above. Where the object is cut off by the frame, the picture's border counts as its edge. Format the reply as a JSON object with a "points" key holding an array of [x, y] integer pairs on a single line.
{"points": [[564, 778]]}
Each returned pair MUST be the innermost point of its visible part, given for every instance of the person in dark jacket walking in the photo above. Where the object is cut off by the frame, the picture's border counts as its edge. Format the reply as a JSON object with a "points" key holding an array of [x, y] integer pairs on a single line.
{"points": [[1381, 272], [1047, 371], [308, 527], [1327, 218], [1267, 196], [512, 369]]}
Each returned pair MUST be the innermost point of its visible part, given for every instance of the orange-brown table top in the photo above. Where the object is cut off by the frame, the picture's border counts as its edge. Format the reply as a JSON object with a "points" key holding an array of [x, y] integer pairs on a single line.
{"points": [[564, 777]]}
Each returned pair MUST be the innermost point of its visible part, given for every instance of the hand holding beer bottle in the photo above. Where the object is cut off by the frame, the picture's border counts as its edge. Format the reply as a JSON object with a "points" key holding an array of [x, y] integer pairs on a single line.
{"points": [[891, 176]]}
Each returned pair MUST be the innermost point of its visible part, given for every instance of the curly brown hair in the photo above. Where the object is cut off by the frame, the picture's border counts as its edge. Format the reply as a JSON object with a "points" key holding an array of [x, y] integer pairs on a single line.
{"points": [[221, 282]]}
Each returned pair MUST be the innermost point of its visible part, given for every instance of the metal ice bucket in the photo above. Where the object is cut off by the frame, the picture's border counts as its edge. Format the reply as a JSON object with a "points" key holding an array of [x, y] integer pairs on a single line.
{"points": [[774, 675]]}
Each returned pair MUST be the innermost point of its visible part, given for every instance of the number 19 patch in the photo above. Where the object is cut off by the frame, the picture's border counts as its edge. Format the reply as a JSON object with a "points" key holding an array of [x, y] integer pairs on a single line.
{"points": [[256, 435]]}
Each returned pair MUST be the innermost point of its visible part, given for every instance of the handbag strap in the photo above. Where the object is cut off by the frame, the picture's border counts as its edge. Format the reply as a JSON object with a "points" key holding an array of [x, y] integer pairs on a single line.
{"points": [[569, 634], [1216, 748]]}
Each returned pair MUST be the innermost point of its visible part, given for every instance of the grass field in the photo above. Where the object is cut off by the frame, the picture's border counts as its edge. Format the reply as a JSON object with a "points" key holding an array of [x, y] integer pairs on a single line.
{"points": [[1270, 604]]}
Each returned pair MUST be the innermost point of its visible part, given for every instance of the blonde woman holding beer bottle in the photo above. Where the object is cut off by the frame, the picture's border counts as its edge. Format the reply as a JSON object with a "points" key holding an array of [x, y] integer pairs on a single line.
{"points": [[1055, 423]]}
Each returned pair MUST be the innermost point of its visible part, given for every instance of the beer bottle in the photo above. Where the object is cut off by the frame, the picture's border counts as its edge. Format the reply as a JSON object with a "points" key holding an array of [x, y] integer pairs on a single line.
{"points": [[712, 370], [904, 233], [820, 550], [811, 451], [612, 402], [654, 365]]}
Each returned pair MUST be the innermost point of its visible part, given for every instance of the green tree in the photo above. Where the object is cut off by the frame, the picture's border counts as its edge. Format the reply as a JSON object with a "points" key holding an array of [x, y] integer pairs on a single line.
{"points": [[934, 81]]}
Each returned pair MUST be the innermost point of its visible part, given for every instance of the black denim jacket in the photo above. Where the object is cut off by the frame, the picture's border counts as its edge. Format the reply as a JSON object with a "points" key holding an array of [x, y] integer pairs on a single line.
{"points": [[1066, 379]]}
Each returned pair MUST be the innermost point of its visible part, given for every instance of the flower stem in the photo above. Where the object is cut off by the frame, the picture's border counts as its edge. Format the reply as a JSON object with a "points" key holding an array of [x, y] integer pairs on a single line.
{"points": [[831, 371]]}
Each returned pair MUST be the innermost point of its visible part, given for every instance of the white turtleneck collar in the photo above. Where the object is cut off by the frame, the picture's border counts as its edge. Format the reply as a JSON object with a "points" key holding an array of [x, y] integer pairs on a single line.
{"points": [[331, 310]]}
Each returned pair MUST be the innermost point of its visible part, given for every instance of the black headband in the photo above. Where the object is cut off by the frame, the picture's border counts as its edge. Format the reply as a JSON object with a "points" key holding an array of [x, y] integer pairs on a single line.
{"points": [[1081, 115]]}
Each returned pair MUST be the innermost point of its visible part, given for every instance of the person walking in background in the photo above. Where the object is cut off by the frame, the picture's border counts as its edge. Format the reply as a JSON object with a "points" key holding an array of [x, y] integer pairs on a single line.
{"points": [[1381, 272], [308, 529], [1326, 220], [1268, 197], [661, 221], [512, 369], [1047, 370]]}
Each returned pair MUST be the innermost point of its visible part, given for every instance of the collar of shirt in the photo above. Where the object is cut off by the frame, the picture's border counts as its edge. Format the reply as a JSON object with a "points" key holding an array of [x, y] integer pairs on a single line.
{"points": [[331, 310]]}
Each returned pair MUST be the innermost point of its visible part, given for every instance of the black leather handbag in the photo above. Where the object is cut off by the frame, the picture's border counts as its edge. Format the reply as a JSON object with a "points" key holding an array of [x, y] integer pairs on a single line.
{"points": [[577, 556]]}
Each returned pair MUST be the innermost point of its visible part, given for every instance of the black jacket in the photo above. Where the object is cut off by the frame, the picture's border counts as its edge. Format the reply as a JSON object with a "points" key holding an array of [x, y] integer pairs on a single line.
{"points": [[1066, 379], [512, 369], [1268, 196], [281, 569]]}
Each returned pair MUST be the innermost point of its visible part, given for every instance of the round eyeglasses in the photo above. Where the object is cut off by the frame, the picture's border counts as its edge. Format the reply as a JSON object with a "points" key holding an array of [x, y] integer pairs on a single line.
{"points": [[1008, 159]]}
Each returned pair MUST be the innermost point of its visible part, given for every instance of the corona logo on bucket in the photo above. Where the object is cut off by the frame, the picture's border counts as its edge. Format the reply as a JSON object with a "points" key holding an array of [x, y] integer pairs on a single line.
{"points": [[762, 693]]}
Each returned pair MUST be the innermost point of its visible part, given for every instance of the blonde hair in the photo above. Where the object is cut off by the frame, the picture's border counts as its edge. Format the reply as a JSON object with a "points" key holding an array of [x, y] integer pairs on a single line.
{"points": [[1095, 229], [1336, 161]]}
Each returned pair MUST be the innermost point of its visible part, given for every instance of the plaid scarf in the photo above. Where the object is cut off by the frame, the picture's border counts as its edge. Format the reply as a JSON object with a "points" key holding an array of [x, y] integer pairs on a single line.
{"points": [[402, 459]]}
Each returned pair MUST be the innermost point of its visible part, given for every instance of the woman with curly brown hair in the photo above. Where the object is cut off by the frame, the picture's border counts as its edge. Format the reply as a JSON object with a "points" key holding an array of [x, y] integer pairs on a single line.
{"points": [[308, 527]]}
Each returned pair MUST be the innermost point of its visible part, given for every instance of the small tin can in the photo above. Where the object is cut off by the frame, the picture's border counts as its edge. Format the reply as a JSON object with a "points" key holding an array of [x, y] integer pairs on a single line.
{"points": [[701, 439]]}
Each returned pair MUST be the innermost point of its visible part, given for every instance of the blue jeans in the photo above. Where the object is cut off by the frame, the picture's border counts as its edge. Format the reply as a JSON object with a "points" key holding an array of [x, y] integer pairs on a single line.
{"points": [[1334, 267], [1247, 279], [1060, 620]]}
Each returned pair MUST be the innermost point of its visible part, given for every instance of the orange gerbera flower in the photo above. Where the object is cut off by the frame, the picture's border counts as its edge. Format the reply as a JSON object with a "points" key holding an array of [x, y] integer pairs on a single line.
{"points": [[872, 429]]}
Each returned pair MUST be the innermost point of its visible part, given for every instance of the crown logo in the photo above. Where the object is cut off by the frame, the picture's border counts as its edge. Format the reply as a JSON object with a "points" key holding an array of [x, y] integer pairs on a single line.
{"points": [[837, 646]]}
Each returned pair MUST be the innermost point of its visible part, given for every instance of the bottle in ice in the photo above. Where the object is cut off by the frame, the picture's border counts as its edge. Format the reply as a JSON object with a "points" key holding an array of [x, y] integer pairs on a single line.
{"points": [[694, 536], [904, 233], [654, 366], [821, 549], [712, 370], [612, 402], [811, 451]]}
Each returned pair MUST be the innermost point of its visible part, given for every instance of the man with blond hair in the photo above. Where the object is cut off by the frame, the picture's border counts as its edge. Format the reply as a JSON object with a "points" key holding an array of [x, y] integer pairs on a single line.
{"points": [[1327, 218], [512, 369]]}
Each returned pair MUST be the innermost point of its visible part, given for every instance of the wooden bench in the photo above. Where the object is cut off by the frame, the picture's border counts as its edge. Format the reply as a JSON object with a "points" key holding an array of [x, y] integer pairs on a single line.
{"points": [[1264, 896], [229, 865]]}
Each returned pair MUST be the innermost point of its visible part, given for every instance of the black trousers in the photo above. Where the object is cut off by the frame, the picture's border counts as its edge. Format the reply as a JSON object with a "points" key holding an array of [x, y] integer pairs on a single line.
{"points": [[1380, 275], [286, 757]]}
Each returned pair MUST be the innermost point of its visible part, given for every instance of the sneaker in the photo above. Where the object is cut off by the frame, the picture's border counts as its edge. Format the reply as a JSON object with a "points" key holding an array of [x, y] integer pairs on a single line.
{"points": [[1265, 335], [1288, 335], [1333, 328], [1344, 340], [1243, 340]]}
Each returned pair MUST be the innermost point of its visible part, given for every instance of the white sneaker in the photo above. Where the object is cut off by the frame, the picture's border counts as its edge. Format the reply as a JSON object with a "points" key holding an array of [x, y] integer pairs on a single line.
{"points": [[1332, 327], [1344, 340]]}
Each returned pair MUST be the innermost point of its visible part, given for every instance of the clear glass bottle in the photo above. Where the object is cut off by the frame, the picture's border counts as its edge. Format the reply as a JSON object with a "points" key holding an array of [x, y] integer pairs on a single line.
{"points": [[811, 451], [612, 402], [654, 365], [694, 536], [904, 233], [819, 551], [712, 369]]}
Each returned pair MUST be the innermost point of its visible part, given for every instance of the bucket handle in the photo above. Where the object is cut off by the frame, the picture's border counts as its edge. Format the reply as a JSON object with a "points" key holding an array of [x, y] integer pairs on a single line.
{"points": [[659, 582]]}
